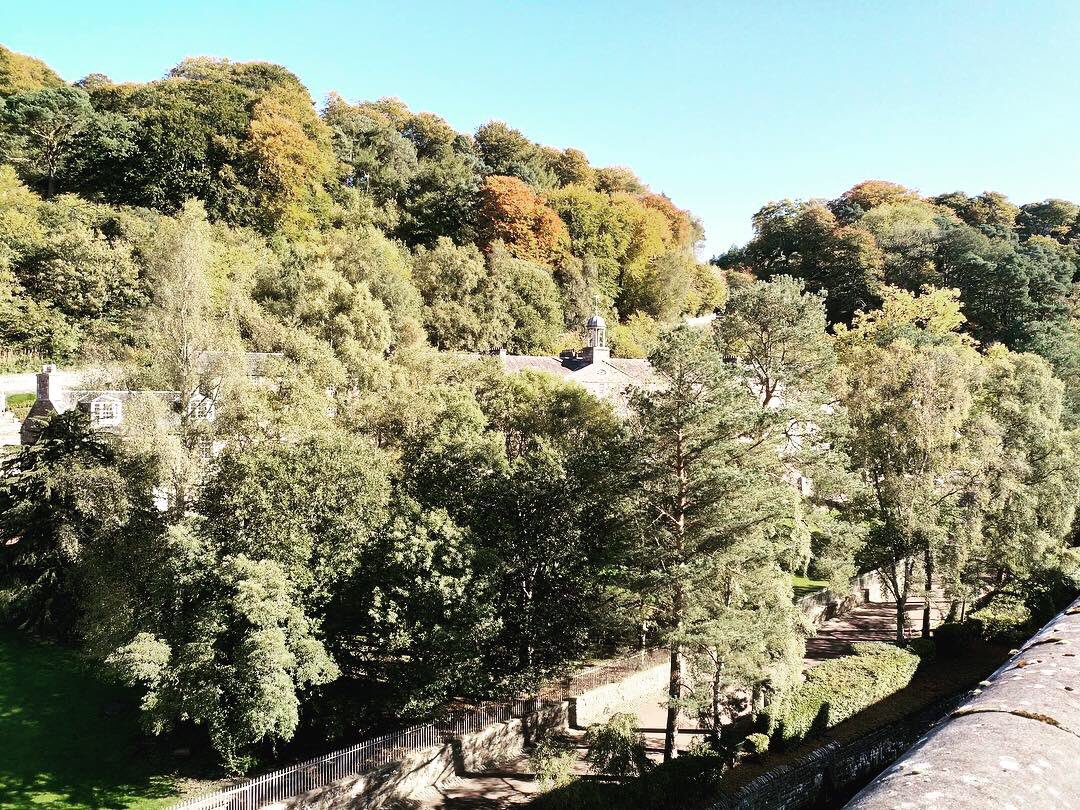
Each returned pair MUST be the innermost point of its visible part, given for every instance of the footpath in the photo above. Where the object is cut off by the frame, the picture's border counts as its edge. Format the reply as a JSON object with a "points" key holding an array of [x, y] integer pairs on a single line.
{"points": [[513, 783]]}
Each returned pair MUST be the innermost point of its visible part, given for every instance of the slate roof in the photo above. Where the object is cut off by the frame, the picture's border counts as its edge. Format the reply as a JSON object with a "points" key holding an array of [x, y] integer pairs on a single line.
{"points": [[81, 396], [640, 370]]}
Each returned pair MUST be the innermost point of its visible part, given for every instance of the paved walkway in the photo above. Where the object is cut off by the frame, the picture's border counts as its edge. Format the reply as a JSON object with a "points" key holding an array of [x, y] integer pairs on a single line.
{"points": [[512, 783], [509, 784], [872, 621]]}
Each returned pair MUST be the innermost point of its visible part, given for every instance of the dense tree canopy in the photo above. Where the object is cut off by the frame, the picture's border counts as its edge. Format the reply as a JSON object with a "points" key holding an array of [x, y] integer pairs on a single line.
{"points": [[378, 518], [1015, 267]]}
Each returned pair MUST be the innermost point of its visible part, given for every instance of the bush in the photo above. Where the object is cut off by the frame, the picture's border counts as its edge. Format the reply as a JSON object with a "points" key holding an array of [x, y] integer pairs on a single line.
{"points": [[955, 638], [756, 744], [617, 748], [925, 648], [838, 689], [1004, 619], [1047, 591], [552, 760]]}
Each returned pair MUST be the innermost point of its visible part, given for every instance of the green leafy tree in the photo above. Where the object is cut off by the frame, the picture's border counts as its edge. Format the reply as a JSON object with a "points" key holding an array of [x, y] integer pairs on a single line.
{"points": [[1053, 218], [441, 200], [807, 241], [1033, 484], [989, 208], [712, 497], [39, 131], [463, 304], [310, 507], [910, 380], [379, 159], [63, 500], [505, 151], [234, 655], [532, 304]]}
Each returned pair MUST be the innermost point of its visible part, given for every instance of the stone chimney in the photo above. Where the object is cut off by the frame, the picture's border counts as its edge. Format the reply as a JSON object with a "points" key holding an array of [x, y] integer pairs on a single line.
{"points": [[48, 388], [50, 400]]}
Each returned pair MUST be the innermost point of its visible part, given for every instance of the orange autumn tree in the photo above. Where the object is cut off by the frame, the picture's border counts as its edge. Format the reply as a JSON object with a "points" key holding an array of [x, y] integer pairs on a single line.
{"points": [[512, 213], [679, 222]]}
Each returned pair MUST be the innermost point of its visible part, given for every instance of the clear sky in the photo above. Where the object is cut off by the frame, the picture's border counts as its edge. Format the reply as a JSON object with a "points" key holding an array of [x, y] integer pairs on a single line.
{"points": [[723, 106]]}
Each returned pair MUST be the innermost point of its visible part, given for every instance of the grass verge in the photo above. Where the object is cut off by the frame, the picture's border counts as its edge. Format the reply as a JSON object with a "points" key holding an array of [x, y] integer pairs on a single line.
{"points": [[68, 740]]}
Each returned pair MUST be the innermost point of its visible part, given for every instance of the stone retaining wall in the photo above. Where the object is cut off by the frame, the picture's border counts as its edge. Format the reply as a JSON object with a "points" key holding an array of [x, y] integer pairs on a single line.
{"points": [[424, 768], [597, 705], [823, 605], [833, 773]]}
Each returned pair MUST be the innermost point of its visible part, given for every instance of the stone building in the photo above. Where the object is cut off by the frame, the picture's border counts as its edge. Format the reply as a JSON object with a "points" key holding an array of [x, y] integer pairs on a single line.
{"points": [[593, 368], [104, 407]]}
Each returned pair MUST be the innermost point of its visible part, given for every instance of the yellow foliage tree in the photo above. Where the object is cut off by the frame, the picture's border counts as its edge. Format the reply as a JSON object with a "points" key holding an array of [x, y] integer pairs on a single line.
{"points": [[290, 148]]}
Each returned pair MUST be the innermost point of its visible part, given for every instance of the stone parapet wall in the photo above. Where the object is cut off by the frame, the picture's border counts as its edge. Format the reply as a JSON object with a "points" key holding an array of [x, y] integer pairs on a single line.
{"points": [[823, 605], [597, 705], [1015, 742]]}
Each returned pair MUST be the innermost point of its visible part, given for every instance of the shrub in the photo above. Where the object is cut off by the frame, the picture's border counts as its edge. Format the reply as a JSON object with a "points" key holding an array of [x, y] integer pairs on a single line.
{"points": [[617, 748], [756, 744], [552, 760], [954, 638], [925, 648], [836, 690], [1004, 618], [1048, 590]]}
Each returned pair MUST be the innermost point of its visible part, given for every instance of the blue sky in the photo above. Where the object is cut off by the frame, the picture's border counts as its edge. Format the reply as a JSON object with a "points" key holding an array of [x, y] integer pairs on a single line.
{"points": [[722, 105]]}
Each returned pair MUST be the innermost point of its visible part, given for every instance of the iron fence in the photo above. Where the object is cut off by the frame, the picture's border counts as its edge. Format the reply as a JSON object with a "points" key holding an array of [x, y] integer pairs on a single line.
{"points": [[605, 673], [364, 757]]}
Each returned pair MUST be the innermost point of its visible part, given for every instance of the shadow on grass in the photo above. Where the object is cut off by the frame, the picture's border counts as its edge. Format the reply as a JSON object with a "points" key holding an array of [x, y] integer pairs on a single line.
{"points": [[69, 740]]}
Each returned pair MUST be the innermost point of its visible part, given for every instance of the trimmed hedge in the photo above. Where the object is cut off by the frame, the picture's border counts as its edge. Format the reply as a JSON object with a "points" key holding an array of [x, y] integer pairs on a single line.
{"points": [[838, 689], [1004, 618]]}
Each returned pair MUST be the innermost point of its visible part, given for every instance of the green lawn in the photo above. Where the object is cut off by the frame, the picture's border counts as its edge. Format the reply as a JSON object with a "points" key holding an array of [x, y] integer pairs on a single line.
{"points": [[68, 740], [20, 404], [804, 585]]}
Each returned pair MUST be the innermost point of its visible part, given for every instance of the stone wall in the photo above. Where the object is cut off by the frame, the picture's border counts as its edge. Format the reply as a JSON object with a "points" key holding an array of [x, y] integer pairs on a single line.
{"points": [[597, 705], [821, 606], [833, 773], [424, 768]]}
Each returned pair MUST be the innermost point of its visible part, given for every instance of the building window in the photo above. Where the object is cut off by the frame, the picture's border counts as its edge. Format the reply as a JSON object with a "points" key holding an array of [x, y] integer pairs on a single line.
{"points": [[203, 409], [104, 411]]}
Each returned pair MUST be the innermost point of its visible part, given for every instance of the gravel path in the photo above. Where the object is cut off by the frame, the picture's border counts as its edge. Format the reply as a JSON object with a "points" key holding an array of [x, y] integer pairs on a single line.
{"points": [[512, 783]]}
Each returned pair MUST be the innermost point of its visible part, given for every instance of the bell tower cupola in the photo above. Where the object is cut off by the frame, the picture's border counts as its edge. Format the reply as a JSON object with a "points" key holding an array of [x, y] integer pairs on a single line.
{"points": [[596, 347]]}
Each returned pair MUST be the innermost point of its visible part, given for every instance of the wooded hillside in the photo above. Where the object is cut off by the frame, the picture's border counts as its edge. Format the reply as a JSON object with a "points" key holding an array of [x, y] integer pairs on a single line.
{"points": [[366, 224]]}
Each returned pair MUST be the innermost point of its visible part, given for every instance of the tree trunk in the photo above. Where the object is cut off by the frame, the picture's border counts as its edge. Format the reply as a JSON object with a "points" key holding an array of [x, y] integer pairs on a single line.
{"points": [[954, 610], [899, 570], [674, 698], [928, 566], [716, 701]]}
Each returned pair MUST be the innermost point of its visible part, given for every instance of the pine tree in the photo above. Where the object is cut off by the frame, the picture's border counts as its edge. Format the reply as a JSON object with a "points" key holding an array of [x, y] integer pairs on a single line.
{"points": [[713, 499]]}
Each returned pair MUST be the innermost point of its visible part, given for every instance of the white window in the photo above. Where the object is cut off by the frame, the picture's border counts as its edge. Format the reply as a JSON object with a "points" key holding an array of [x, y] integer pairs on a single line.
{"points": [[105, 411], [203, 408]]}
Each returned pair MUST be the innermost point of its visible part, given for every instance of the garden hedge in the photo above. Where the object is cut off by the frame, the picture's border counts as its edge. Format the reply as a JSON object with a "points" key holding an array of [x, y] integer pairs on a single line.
{"points": [[836, 690]]}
